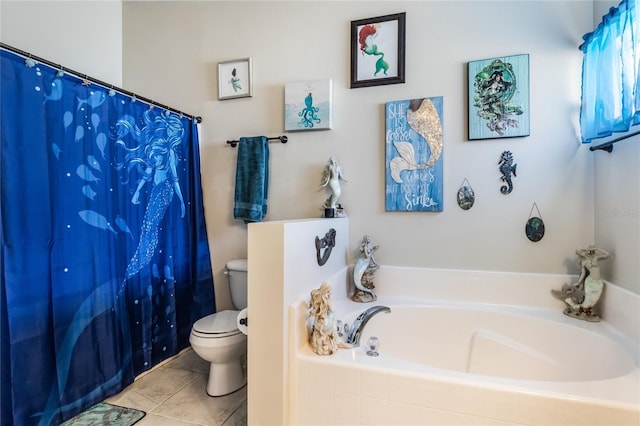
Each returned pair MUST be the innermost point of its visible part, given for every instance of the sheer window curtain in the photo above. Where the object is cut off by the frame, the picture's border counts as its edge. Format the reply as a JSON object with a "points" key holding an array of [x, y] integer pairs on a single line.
{"points": [[610, 98]]}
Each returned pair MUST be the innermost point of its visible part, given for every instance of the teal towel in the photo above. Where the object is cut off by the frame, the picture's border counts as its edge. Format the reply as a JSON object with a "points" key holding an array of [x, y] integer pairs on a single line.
{"points": [[252, 179]]}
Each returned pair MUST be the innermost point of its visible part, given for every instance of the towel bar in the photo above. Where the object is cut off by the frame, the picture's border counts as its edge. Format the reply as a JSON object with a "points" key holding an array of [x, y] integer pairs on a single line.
{"points": [[282, 139]]}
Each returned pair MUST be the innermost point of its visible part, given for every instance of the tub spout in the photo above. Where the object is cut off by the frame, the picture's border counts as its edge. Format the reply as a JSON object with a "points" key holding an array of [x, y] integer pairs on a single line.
{"points": [[353, 337]]}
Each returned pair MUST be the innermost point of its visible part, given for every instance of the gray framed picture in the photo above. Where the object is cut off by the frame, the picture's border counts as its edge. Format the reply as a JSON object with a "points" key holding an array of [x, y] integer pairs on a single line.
{"points": [[235, 79]]}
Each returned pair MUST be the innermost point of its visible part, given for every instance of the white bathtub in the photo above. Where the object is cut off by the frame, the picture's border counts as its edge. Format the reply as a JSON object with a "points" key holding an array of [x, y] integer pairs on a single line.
{"points": [[458, 359]]}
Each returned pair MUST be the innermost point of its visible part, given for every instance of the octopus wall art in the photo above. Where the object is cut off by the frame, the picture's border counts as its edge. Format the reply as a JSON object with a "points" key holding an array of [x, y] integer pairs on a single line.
{"points": [[307, 105]]}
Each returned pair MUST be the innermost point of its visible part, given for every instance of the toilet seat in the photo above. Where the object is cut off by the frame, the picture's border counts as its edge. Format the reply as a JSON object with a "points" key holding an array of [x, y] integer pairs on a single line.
{"points": [[218, 325]]}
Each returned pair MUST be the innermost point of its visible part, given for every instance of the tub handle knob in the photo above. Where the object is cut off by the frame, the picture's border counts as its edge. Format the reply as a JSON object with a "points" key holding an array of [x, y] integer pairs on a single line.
{"points": [[372, 346]]}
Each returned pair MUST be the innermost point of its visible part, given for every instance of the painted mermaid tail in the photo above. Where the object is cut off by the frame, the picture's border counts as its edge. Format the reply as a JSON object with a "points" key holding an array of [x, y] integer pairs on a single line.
{"points": [[161, 197], [424, 119], [381, 64], [92, 307], [361, 266]]}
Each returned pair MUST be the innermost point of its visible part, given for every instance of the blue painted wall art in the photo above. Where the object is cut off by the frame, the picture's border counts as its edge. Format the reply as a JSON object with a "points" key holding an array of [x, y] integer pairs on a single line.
{"points": [[414, 146]]}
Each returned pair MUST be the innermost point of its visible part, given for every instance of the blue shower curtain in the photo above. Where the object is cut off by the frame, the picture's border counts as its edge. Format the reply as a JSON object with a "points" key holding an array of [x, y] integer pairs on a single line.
{"points": [[105, 260]]}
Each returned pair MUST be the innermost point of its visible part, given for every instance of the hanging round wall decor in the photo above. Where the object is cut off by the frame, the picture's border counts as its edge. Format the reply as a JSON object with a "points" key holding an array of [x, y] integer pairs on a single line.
{"points": [[534, 229], [466, 196]]}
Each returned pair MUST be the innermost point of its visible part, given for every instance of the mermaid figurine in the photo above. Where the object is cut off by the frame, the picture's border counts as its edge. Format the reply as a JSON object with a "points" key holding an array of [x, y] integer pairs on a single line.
{"points": [[155, 158]]}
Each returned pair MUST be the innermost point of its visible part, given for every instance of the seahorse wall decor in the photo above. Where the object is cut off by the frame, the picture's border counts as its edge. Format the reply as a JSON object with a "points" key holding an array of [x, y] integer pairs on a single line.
{"points": [[507, 168]]}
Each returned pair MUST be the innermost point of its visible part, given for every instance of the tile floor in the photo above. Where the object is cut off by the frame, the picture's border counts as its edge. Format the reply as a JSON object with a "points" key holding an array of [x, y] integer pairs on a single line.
{"points": [[174, 395]]}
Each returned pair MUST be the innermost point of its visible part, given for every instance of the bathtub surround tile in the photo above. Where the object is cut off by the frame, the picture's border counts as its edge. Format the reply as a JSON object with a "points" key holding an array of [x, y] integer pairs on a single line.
{"points": [[409, 415], [346, 379], [438, 394], [374, 412], [374, 385], [316, 406], [339, 422], [404, 389], [487, 403], [464, 420], [319, 374], [613, 417], [347, 407]]}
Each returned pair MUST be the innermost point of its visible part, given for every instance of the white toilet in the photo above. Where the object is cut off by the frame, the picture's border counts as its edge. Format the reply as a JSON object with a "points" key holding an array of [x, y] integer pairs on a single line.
{"points": [[217, 339]]}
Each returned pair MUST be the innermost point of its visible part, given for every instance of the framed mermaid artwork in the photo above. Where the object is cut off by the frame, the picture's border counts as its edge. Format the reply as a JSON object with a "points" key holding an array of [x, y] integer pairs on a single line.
{"points": [[235, 79], [307, 105], [499, 97], [378, 51]]}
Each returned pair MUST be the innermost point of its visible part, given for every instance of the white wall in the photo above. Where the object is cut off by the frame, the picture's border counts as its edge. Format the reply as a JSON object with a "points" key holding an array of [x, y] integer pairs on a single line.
{"points": [[85, 36], [292, 41], [171, 51], [617, 200]]}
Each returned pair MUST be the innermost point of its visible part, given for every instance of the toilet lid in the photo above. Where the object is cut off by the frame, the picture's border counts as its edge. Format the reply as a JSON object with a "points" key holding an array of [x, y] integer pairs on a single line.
{"points": [[218, 323]]}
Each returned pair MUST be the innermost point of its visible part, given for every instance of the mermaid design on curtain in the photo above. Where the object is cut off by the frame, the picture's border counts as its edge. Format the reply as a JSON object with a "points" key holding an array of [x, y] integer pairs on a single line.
{"points": [[105, 257], [156, 159]]}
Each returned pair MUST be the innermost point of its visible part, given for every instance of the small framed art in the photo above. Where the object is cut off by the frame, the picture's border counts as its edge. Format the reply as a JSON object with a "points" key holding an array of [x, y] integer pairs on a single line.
{"points": [[378, 50], [307, 105], [499, 97], [235, 79]]}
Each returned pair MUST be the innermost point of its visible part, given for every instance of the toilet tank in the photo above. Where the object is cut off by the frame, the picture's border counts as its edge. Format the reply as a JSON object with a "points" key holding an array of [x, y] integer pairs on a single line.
{"points": [[236, 271]]}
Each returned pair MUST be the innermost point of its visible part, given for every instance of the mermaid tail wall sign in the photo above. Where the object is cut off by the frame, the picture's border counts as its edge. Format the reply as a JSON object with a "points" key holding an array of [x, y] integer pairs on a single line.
{"points": [[377, 50], [414, 155], [307, 105], [235, 79], [499, 97]]}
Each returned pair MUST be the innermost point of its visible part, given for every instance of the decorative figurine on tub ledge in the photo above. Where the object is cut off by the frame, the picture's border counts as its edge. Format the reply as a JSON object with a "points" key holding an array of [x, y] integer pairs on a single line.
{"points": [[331, 176], [364, 271], [324, 332], [582, 297]]}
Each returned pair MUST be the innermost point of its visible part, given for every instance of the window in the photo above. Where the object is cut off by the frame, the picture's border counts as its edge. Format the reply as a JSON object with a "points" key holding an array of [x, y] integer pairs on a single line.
{"points": [[610, 97]]}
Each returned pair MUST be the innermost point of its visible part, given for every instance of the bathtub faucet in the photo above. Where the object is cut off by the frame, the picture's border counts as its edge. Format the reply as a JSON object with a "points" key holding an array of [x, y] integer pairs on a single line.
{"points": [[353, 337]]}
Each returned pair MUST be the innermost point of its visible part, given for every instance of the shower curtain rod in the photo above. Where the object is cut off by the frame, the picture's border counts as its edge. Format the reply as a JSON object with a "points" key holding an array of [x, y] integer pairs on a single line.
{"points": [[282, 139], [95, 80]]}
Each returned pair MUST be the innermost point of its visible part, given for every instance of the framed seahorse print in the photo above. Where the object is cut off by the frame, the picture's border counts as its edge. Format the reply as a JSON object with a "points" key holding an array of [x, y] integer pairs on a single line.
{"points": [[499, 97], [378, 50], [414, 155]]}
